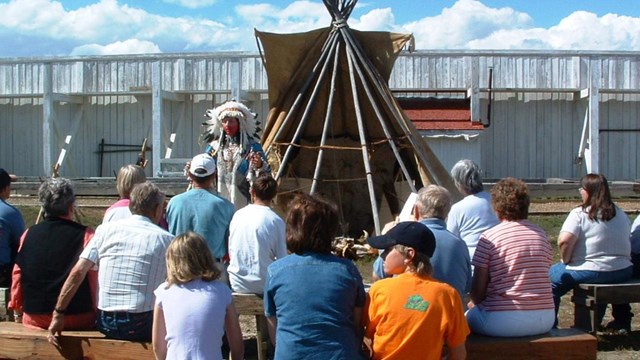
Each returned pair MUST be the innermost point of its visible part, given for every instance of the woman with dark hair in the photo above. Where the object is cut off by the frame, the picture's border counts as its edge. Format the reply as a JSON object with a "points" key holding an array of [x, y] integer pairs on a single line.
{"points": [[594, 248], [313, 300], [511, 293]]}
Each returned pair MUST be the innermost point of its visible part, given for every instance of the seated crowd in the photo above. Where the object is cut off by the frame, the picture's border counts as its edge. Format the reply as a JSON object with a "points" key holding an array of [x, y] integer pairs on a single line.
{"points": [[475, 266]]}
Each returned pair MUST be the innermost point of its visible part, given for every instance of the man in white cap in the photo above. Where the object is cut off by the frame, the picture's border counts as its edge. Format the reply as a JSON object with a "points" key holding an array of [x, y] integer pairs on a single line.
{"points": [[232, 133], [11, 228], [201, 211]]}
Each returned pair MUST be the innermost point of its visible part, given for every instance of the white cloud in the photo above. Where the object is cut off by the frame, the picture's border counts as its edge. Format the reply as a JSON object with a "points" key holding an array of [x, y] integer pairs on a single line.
{"points": [[192, 4], [108, 22], [375, 20], [109, 26], [298, 16], [579, 31], [131, 46], [465, 21]]}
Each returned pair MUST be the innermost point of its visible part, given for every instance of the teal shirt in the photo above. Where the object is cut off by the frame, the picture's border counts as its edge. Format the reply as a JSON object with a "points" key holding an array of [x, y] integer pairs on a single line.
{"points": [[202, 212]]}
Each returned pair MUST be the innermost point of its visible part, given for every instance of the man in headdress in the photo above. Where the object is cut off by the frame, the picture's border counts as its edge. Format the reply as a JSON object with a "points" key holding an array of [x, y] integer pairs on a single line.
{"points": [[232, 135]]}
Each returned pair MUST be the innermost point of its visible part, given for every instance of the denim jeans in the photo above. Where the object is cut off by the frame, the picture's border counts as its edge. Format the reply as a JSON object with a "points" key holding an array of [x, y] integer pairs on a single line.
{"points": [[563, 280], [511, 323], [125, 326]]}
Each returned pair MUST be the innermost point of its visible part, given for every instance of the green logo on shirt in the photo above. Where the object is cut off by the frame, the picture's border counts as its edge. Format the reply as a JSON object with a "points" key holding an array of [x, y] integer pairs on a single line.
{"points": [[416, 302]]}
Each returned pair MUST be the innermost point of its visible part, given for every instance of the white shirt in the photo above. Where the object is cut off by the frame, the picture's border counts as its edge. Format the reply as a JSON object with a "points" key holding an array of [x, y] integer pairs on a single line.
{"points": [[194, 315], [256, 239], [470, 217], [635, 236], [601, 245], [130, 256]]}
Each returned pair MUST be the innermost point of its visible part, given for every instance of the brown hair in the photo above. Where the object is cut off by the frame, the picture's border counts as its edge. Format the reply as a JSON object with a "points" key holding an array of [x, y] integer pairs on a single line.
{"points": [[312, 223], [420, 262], [128, 177], [265, 187], [189, 258], [599, 200], [510, 199]]}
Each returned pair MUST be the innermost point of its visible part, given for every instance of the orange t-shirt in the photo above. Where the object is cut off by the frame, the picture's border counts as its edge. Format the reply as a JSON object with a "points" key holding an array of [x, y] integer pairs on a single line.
{"points": [[408, 317]]}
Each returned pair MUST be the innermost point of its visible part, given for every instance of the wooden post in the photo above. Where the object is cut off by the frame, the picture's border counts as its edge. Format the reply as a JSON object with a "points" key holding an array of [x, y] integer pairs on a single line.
{"points": [[48, 119], [157, 115], [327, 120], [363, 142]]}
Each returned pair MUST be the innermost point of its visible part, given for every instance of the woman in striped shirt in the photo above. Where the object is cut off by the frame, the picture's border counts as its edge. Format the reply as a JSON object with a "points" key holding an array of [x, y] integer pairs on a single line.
{"points": [[511, 292]]}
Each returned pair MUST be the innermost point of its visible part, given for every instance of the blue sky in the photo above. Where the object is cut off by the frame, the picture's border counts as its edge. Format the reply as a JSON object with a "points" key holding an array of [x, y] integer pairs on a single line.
{"points": [[32, 28]]}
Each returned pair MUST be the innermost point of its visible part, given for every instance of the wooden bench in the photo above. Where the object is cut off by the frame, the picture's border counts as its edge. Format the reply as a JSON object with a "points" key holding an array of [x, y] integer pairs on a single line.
{"points": [[4, 303], [19, 342], [561, 344], [250, 304], [586, 298]]}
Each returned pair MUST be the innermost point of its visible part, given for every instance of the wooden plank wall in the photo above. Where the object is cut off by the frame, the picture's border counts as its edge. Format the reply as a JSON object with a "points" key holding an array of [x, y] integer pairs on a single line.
{"points": [[536, 120]]}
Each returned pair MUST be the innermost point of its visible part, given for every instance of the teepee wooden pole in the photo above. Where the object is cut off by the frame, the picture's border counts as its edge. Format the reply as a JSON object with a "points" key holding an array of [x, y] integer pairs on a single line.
{"points": [[363, 142], [327, 120], [294, 107], [383, 123], [436, 172], [305, 114]]}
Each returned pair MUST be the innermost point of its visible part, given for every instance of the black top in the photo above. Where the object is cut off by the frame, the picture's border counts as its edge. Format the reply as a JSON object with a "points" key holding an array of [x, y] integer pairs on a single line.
{"points": [[49, 252]]}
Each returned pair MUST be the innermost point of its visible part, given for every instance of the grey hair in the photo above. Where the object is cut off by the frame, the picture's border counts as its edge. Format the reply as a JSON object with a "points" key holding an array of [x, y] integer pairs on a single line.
{"points": [[467, 176], [56, 196], [145, 197], [434, 201]]}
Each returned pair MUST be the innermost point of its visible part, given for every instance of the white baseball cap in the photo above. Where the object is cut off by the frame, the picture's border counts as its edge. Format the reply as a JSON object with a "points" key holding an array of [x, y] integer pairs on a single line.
{"points": [[202, 165]]}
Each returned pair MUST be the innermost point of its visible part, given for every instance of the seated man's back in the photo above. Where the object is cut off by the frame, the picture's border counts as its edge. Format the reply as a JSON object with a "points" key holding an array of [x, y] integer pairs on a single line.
{"points": [[257, 238]]}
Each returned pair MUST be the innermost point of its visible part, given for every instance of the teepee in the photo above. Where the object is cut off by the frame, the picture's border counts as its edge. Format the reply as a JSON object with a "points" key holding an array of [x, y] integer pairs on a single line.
{"points": [[335, 128]]}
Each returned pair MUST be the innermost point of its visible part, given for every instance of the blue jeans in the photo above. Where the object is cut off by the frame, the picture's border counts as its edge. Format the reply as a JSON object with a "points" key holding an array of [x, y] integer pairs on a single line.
{"points": [[563, 280], [125, 326]]}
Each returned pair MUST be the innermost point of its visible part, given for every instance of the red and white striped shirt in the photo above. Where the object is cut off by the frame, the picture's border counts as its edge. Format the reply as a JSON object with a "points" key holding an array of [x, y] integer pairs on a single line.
{"points": [[518, 256]]}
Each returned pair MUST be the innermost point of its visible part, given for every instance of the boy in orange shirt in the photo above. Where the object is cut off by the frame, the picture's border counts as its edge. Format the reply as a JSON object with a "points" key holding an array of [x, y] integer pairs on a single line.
{"points": [[411, 315]]}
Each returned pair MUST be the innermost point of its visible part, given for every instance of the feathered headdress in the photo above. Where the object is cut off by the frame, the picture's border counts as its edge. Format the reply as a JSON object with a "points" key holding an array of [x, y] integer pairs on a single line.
{"points": [[249, 126]]}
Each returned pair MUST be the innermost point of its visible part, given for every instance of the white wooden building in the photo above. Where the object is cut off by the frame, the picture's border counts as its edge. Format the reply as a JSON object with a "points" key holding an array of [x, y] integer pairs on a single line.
{"points": [[545, 108]]}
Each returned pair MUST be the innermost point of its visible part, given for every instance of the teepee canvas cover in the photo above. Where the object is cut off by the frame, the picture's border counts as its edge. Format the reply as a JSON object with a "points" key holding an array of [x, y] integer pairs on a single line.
{"points": [[333, 119]]}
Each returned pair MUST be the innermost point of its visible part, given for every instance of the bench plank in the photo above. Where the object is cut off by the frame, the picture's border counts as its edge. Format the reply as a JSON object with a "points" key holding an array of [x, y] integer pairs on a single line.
{"points": [[586, 298], [248, 304], [560, 344], [19, 342]]}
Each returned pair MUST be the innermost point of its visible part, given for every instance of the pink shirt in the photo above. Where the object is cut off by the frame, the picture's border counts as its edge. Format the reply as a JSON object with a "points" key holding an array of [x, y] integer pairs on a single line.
{"points": [[518, 256]]}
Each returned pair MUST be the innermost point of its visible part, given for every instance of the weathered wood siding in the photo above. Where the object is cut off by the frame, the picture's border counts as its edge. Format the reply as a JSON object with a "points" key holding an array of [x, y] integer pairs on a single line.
{"points": [[536, 119]]}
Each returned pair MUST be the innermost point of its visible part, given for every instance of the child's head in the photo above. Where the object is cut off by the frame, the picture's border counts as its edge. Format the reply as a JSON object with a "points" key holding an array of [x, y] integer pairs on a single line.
{"points": [[407, 246], [189, 258]]}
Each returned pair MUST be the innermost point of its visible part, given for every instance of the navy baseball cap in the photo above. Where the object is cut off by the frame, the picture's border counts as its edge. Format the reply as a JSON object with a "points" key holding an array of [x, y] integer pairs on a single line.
{"points": [[6, 178], [407, 233]]}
